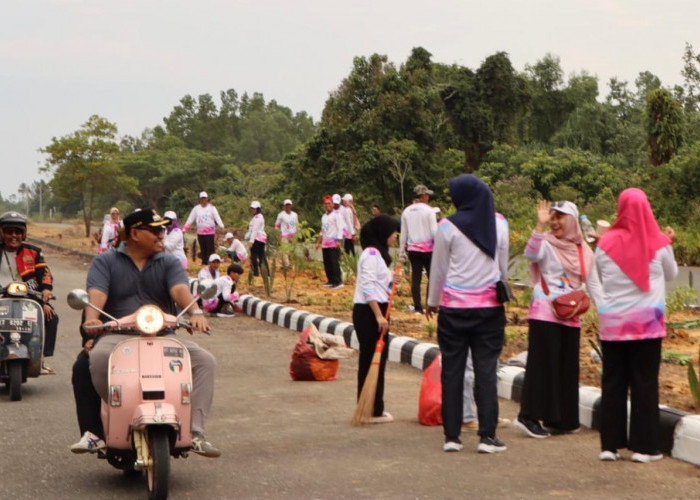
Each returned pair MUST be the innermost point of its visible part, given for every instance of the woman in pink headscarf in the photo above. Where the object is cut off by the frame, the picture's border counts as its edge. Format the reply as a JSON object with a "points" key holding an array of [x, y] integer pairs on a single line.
{"points": [[634, 259], [559, 260]]}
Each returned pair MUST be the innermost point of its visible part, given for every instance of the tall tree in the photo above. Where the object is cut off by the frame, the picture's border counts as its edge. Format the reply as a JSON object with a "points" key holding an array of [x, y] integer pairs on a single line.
{"points": [[664, 126], [84, 168]]}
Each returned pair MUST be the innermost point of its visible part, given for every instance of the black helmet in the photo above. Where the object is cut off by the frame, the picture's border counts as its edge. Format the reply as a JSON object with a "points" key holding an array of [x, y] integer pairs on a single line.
{"points": [[13, 219]]}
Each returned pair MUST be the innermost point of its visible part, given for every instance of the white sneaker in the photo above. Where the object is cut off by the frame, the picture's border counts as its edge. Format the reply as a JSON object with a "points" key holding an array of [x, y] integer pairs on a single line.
{"points": [[89, 443], [337, 287], [643, 458], [452, 446], [609, 456], [224, 315], [384, 419]]}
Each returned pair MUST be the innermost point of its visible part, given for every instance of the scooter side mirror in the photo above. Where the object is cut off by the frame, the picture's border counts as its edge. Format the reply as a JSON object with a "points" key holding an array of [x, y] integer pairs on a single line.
{"points": [[78, 299], [206, 289]]}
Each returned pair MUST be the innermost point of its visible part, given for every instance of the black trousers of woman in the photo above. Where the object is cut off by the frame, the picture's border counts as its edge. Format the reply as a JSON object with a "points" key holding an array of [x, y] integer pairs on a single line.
{"points": [[550, 388], [480, 330], [206, 247], [367, 332], [632, 364], [257, 257]]}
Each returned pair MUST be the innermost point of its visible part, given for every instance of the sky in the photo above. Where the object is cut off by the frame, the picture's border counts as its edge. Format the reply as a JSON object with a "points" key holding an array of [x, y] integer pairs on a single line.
{"points": [[131, 61]]}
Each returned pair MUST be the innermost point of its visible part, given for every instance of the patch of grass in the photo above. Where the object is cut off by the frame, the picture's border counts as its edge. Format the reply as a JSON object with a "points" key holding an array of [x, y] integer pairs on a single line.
{"points": [[680, 299], [675, 357]]}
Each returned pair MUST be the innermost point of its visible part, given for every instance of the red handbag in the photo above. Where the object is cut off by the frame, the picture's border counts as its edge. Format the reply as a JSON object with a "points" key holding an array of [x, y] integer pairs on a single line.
{"points": [[570, 304]]}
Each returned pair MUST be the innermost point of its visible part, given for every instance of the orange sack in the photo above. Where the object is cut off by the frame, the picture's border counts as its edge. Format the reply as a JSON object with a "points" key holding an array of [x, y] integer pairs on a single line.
{"points": [[306, 365]]}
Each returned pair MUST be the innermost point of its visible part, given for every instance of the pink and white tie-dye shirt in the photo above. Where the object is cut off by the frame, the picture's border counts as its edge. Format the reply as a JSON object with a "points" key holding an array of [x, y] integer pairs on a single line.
{"points": [[463, 276]]}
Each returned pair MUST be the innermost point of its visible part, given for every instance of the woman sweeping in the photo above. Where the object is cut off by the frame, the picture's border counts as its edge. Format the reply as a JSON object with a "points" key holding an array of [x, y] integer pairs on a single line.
{"points": [[558, 260], [373, 285], [469, 258], [634, 260]]}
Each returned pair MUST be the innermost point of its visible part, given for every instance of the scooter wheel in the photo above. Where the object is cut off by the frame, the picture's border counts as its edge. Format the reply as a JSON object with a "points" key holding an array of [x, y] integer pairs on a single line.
{"points": [[15, 385], [159, 471]]}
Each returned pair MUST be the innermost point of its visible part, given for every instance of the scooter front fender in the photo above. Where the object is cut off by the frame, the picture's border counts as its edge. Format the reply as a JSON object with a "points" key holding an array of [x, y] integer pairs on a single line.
{"points": [[15, 351], [155, 413]]}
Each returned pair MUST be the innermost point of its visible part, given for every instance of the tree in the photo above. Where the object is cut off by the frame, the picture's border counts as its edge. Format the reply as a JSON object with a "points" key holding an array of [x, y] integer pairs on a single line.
{"points": [[399, 155], [470, 117], [664, 126], [504, 93], [549, 105], [84, 168]]}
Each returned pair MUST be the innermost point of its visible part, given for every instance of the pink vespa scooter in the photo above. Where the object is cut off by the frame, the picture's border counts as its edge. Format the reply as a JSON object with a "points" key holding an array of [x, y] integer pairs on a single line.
{"points": [[147, 417]]}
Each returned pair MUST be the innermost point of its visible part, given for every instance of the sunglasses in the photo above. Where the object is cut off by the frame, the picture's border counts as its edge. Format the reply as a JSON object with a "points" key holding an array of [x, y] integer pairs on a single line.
{"points": [[558, 204], [13, 230], [154, 230]]}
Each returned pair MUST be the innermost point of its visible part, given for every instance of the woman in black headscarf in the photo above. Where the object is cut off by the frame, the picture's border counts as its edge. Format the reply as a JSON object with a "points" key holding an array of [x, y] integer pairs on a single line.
{"points": [[372, 288], [469, 258]]}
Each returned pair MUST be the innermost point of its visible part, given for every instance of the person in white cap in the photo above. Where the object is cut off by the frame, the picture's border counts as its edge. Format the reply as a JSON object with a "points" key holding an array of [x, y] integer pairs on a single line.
{"points": [[175, 239], [418, 228], [330, 239], [236, 250], [211, 270], [257, 237], [206, 217], [352, 223], [286, 223]]}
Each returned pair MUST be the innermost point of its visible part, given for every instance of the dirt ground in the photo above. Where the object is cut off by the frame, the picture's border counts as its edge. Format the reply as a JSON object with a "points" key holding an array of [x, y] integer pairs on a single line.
{"points": [[304, 291]]}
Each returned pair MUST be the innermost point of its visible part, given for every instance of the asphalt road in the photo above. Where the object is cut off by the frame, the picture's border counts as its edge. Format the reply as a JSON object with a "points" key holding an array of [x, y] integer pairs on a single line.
{"points": [[292, 440]]}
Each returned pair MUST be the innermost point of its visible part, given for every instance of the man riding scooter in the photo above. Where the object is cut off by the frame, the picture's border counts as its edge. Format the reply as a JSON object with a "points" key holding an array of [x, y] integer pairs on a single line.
{"points": [[139, 273], [20, 261]]}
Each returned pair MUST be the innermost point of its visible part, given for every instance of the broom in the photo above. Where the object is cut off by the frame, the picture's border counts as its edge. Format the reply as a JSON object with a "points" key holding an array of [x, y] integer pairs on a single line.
{"points": [[365, 403]]}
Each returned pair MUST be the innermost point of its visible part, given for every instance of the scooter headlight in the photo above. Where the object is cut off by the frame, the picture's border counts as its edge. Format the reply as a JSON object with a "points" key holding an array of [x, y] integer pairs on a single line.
{"points": [[18, 289], [149, 320]]}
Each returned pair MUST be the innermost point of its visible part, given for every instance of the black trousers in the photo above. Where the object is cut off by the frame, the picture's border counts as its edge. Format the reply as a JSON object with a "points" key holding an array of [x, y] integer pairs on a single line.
{"points": [[419, 261], [50, 334], [482, 331], [633, 365], [366, 329], [258, 258], [206, 247], [331, 264], [550, 388], [87, 401], [349, 245]]}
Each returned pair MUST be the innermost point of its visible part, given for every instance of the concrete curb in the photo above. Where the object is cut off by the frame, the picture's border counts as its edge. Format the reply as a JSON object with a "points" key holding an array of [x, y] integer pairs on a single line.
{"points": [[679, 431]]}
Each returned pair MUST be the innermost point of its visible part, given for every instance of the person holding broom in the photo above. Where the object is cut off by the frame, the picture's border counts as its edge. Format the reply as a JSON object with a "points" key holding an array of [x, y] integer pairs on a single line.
{"points": [[469, 258], [372, 289]]}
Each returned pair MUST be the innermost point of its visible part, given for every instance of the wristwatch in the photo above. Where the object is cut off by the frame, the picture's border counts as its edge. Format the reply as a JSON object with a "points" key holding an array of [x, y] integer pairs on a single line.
{"points": [[197, 312]]}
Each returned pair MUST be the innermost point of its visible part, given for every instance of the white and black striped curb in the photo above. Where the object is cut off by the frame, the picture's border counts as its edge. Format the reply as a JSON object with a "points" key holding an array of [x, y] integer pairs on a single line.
{"points": [[679, 431], [401, 349]]}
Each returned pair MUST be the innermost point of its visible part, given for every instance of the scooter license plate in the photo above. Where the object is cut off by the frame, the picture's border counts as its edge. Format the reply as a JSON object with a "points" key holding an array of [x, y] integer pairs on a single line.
{"points": [[16, 325]]}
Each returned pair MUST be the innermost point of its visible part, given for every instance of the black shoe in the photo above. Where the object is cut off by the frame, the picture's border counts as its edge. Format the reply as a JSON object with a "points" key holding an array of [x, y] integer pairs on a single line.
{"points": [[532, 428], [491, 445]]}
